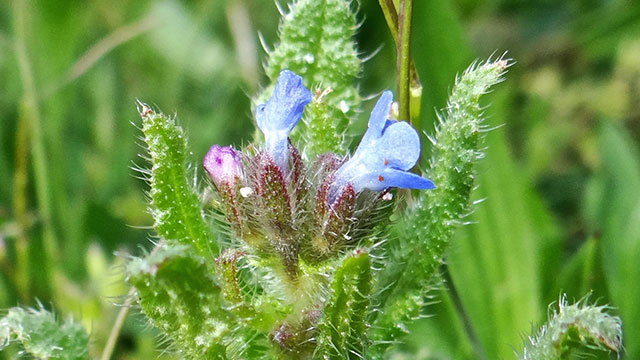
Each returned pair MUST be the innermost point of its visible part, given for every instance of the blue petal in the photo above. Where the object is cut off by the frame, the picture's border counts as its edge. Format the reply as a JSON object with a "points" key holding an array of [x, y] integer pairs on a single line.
{"points": [[405, 180], [378, 118], [284, 109], [399, 148], [387, 178], [387, 150], [277, 117], [399, 145]]}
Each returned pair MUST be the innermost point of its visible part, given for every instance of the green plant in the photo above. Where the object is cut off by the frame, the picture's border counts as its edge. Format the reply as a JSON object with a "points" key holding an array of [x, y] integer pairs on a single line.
{"points": [[294, 250]]}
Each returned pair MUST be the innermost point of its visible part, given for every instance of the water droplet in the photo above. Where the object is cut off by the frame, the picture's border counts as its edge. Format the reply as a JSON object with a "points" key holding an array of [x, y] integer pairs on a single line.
{"points": [[344, 107], [309, 58]]}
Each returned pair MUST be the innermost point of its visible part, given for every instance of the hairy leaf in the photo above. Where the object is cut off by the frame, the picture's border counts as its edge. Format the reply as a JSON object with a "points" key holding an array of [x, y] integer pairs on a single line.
{"points": [[425, 233], [316, 43], [572, 327], [42, 336], [174, 203]]}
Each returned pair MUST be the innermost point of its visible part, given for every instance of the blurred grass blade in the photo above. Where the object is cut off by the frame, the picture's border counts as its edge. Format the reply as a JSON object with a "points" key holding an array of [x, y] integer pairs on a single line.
{"points": [[443, 331], [582, 273], [99, 50], [494, 265], [613, 208], [440, 51], [29, 112]]}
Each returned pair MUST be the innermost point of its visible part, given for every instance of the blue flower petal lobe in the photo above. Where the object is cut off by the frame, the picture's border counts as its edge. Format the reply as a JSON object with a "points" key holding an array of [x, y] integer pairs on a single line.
{"points": [[278, 116]]}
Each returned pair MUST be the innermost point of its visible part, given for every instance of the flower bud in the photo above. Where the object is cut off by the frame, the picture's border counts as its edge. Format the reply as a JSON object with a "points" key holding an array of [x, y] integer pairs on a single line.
{"points": [[336, 228], [275, 209], [223, 165]]}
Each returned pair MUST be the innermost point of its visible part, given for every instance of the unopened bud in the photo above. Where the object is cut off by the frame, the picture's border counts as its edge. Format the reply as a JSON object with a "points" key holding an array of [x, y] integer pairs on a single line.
{"points": [[223, 165]]}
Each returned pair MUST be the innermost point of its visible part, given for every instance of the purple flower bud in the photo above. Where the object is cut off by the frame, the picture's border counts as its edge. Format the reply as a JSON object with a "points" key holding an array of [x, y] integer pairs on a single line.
{"points": [[223, 165]]}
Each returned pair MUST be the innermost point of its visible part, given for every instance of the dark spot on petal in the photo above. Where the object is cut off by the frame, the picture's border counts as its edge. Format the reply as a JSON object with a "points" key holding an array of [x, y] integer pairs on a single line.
{"points": [[380, 178], [386, 162]]}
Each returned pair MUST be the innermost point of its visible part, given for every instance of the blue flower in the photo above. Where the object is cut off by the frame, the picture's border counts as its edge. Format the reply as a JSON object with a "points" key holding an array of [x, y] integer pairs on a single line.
{"points": [[277, 117], [386, 152]]}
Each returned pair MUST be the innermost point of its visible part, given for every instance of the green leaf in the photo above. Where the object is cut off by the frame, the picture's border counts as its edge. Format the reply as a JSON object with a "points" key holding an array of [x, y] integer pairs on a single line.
{"points": [[42, 336], [613, 208], [424, 234], [341, 332], [181, 299], [175, 205], [495, 264], [573, 327], [440, 51], [316, 43]]}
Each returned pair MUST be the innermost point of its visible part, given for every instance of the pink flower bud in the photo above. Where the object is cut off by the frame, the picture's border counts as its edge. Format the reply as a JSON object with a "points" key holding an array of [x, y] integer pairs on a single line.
{"points": [[223, 165]]}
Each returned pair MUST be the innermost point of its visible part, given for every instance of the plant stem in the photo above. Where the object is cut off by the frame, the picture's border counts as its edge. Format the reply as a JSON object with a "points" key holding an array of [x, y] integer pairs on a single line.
{"points": [[122, 316], [20, 200], [405, 14], [415, 89], [31, 114], [391, 16], [117, 326]]}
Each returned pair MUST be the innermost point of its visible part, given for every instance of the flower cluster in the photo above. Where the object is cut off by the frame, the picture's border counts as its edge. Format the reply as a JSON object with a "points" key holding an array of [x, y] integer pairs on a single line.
{"points": [[278, 204]]}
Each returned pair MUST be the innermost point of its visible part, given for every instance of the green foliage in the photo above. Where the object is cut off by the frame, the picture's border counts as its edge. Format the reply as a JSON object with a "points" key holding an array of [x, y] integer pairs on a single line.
{"points": [[180, 298], [342, 329], [416, 253], [570, 116], [499, 316], [42, 337], [439, 55], [315, 43], [572, 327], [613, 206], [174, 204]]}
